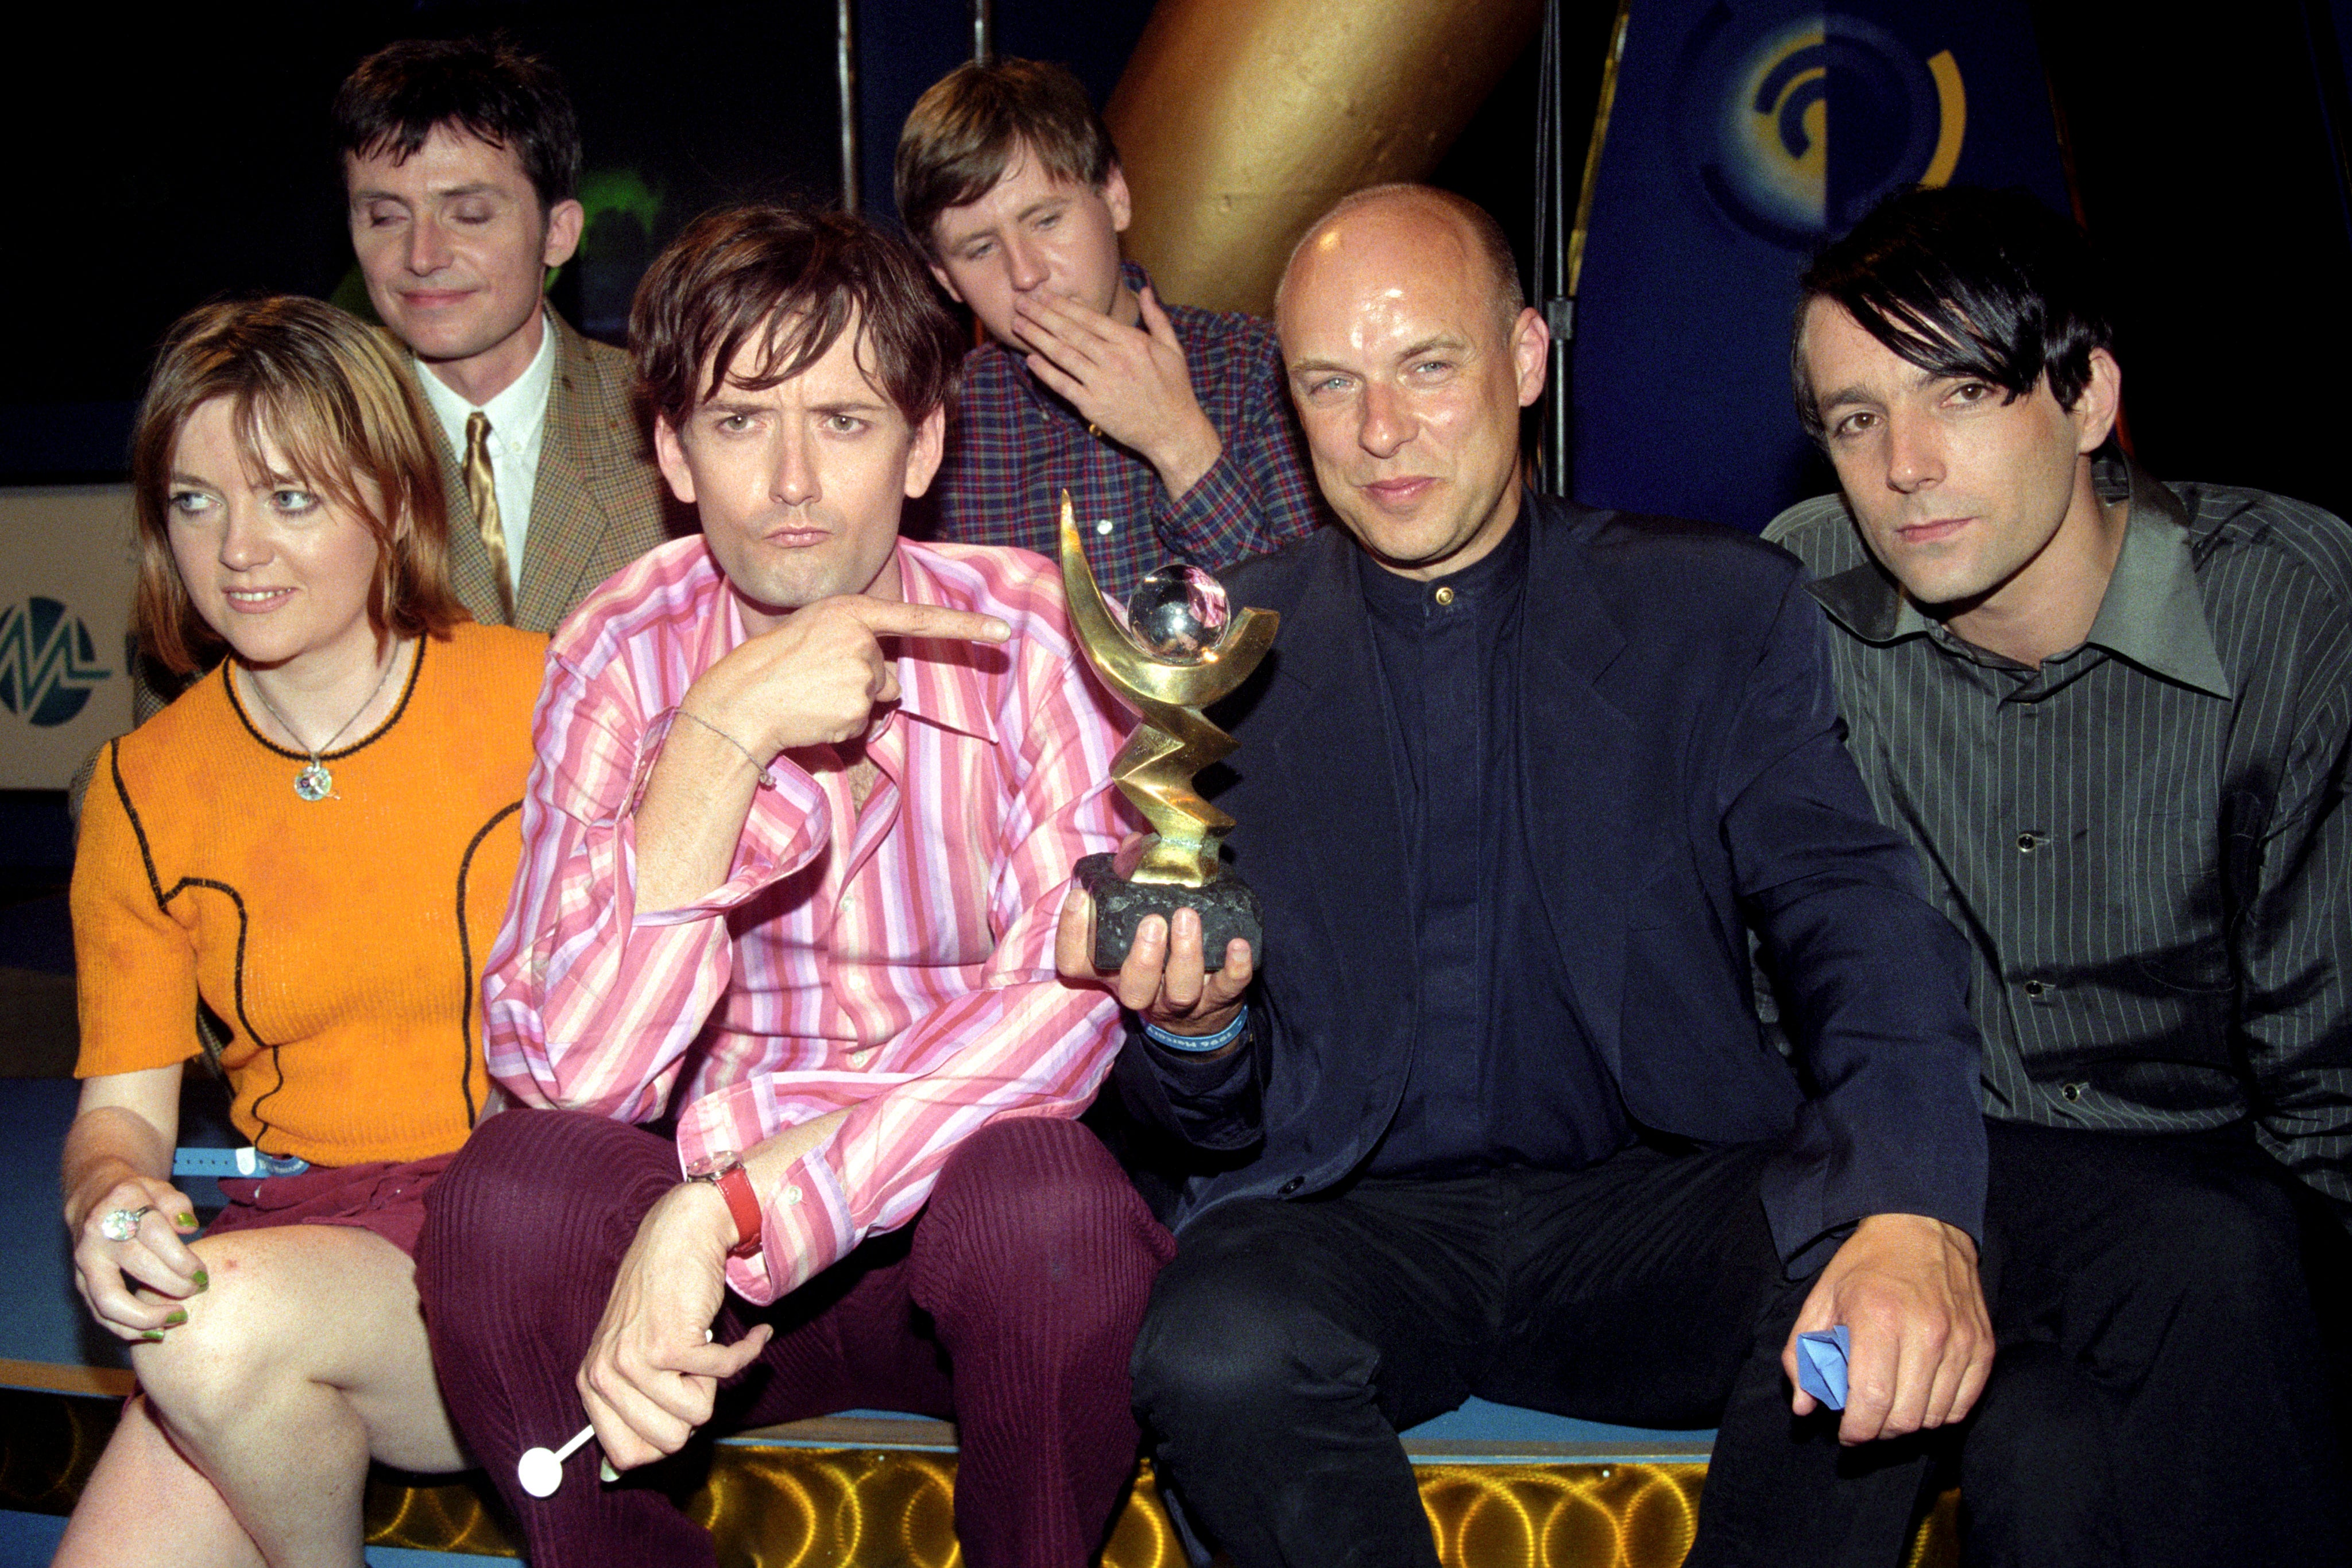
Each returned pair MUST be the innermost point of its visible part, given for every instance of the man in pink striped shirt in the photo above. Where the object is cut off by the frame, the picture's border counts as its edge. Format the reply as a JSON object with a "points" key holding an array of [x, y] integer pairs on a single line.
{"points": [[806, 800]]}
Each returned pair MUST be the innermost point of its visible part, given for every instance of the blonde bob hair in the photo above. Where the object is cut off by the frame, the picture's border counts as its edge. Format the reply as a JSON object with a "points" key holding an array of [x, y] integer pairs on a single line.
{"points": [[330, 394]]}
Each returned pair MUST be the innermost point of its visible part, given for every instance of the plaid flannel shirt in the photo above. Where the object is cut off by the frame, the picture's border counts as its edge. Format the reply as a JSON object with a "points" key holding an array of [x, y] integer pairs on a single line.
{"points": [[1014, 447]]}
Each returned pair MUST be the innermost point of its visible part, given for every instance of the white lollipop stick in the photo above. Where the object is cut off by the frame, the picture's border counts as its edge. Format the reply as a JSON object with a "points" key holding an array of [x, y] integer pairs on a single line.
{"points": [[540, 1470]]}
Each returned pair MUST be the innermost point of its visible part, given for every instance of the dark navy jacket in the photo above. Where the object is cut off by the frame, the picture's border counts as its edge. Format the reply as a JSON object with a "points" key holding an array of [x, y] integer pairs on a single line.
{"points": [[1686, 780]]}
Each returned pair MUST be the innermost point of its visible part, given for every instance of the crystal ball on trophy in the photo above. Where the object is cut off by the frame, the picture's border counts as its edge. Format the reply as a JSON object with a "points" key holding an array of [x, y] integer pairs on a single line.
{"points": [[1175, 647], [1178, 612]]}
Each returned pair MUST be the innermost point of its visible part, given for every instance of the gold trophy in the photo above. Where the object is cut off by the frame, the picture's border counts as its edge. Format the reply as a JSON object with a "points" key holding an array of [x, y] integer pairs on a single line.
{"points": [[1174, 650]]}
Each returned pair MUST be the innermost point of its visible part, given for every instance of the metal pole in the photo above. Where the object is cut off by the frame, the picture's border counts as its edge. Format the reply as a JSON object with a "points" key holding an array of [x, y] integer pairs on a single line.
{"points": [[1567, 252], [845, 66], [1552, 450], [983, 33]]}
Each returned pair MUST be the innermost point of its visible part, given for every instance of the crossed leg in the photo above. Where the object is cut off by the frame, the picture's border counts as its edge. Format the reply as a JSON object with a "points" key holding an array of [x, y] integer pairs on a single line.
{"points": [[304, 1358]]}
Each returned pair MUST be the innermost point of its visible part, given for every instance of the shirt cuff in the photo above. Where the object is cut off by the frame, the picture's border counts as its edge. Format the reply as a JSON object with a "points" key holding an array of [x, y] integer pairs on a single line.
{"points": [[804, 1229], [804, 1219], [1213, 513]]}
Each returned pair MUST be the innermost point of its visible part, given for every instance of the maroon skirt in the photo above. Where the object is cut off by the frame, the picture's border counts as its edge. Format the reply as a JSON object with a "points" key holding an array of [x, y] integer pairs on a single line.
{"points": [[385, 1198]]}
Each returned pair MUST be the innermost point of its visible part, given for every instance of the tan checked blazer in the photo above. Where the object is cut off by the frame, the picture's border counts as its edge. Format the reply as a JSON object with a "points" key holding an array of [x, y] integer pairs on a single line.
{"points": [[597, 503]]}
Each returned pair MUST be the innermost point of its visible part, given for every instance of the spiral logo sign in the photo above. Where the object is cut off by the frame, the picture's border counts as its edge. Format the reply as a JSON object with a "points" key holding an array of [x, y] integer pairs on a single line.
{"points": [[1795, 130], [47, 662]]}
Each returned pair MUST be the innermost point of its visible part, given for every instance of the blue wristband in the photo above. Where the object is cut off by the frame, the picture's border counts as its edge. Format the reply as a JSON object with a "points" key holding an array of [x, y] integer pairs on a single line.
{"points": [[1202, 1044]]}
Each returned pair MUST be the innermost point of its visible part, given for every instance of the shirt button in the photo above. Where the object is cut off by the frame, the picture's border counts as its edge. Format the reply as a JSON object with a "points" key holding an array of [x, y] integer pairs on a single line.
{"points": [[2036, 988], [2072, 1091], [1445, 596], [1103, 526], [861, 1056], [2025, 842], [792, 1194], [1293, 1185]]}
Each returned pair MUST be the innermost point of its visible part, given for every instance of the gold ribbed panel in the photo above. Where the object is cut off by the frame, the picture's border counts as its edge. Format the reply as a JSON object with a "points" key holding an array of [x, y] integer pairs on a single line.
{"points": [[862, 1508], [1607, 1516], [803, 1508], [866, 1508], [457, 1515]]}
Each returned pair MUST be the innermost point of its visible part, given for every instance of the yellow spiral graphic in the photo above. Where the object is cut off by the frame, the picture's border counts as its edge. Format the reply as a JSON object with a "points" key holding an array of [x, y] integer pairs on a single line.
{"points": [[1776, 111]]}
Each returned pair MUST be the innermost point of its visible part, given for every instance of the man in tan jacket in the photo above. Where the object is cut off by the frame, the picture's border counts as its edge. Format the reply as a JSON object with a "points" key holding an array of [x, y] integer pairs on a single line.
{"points": [[460, 159]]}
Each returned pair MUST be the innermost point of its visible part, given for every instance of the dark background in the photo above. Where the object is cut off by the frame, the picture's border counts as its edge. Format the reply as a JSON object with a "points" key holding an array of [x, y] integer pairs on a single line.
{"points": [[2210, 163], [168, 161]]}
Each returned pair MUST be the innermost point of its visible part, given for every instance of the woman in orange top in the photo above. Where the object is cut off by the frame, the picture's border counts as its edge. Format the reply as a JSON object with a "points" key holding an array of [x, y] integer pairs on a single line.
{"points": [[316, 841]]}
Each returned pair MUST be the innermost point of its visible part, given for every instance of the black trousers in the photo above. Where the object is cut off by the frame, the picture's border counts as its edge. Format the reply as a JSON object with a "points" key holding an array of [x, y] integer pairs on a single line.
{"points": [[1289, 1342], [2160, 1396]]}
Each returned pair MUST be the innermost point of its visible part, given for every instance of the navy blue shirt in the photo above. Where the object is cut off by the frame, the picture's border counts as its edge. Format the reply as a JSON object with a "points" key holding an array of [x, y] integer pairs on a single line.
{"points": [[1488, 968]]}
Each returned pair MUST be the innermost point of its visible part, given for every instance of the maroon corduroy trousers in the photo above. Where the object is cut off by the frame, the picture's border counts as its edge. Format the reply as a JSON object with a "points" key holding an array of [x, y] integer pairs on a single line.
{"points": [[1010, 1306]]}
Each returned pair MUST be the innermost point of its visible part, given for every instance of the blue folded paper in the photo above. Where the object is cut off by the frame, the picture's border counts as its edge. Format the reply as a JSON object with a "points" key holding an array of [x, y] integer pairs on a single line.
{"points": [[1820, 1364]]}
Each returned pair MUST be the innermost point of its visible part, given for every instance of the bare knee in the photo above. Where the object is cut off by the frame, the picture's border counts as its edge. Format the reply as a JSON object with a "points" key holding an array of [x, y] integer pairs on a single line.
{"points": [[239, 1335]]}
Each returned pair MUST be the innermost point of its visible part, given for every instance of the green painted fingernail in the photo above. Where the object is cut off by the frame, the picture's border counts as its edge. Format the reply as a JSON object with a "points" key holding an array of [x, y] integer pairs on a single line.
{"points": [[202, 1278], [185, 1222], [175, 1319], [152, 1337]]}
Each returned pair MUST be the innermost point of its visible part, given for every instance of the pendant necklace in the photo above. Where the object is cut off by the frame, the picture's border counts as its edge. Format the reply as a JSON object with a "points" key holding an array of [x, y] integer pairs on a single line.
{"points": [[314, 782]]}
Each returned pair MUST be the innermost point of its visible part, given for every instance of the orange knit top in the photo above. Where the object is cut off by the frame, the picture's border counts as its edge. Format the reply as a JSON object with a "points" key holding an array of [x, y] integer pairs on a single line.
{"points": [[342, 940]]}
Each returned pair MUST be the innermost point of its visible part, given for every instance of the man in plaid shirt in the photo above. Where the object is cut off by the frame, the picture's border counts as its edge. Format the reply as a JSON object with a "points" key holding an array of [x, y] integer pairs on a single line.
{"points": [[1169, 426]]}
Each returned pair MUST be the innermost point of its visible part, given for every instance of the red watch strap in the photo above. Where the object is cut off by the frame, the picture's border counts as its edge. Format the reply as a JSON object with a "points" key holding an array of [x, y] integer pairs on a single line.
{"points": [[743, 1203]]}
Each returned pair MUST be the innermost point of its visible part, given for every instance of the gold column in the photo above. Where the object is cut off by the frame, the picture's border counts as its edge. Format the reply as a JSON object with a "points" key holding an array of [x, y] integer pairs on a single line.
{"points": [[1239, 121]]}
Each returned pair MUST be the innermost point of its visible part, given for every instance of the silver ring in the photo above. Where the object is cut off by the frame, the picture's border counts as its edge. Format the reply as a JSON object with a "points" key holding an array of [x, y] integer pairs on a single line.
{"points": [[123, 1224]]}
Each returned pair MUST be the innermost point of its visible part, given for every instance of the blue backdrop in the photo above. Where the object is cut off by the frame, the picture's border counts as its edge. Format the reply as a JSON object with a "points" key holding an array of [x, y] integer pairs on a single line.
{"points": [[1743, 134]]}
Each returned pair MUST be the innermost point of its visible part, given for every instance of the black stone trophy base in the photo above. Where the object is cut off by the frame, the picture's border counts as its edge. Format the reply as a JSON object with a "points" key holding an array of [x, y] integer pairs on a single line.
{"points": [[1228, 909]]}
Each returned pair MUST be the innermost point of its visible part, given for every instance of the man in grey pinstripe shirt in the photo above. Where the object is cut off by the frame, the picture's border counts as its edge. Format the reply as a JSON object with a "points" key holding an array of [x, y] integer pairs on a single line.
{"points": [[2113, 715]]}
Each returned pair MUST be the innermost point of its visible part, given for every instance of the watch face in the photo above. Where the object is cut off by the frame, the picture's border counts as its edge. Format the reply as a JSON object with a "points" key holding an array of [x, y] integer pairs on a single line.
{"points": [[710, 1167]]}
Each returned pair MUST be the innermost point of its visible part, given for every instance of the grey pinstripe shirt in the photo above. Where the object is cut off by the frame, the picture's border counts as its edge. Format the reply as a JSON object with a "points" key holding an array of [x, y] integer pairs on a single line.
{"points": [[2146, 841]]}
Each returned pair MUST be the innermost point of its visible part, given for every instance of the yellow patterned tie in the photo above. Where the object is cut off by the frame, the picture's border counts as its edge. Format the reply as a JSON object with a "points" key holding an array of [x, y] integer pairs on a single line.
{"points": [[482, 491]]}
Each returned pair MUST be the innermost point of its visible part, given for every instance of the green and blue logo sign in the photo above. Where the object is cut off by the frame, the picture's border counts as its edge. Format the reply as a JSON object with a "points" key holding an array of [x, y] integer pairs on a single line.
{"points": [[48, 662]]}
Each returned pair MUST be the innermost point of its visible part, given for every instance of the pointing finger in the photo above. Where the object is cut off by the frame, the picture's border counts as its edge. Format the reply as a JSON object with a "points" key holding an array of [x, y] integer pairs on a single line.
{"points": [[889, 618]]}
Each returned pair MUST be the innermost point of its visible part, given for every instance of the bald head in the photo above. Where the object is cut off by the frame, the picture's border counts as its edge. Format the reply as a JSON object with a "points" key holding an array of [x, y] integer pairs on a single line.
{"points": [[1469, 234], [1408, 356]]}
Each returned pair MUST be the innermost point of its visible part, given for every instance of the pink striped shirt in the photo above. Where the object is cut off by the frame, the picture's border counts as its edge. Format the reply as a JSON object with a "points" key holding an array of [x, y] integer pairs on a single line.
{"points": [[896, 962]]}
